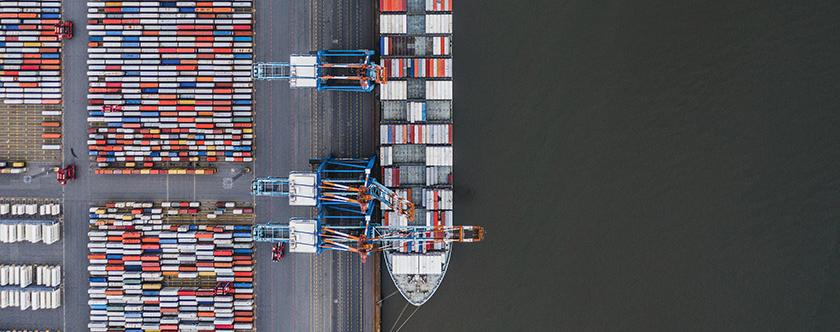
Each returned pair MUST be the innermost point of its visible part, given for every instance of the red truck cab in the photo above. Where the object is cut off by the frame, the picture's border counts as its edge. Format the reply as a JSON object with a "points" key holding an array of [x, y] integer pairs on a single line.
{"points": [[278, 251], [112, 108], [64, 30], [65, 174]]}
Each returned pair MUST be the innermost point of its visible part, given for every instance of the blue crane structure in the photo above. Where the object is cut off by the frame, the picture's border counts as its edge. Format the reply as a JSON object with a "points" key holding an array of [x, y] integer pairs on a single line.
{"points": [[338, 70], [344, 194]]}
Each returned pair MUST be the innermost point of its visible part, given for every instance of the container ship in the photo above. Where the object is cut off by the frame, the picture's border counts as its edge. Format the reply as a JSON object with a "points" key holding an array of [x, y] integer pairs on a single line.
{"points": [[415, 43]]}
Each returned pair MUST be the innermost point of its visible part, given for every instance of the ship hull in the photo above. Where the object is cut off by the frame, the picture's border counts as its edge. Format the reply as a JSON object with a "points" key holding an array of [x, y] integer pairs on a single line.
{"points": [[418, 288]]}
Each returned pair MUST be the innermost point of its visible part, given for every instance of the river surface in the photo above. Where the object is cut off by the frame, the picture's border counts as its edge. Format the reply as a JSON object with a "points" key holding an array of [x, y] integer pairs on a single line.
{"points": [[643, 166]]}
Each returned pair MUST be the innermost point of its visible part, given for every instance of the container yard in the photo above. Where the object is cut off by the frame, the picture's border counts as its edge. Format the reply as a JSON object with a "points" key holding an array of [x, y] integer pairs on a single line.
{"points": [[30, 82], [170, 86], [171, 266]]}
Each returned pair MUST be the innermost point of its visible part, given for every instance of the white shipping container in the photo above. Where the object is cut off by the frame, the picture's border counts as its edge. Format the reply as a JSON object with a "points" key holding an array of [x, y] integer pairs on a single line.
{"points": [[394, 90], [416, 112], [392, 24], [439, 23], [40, 275], [52, 233], [439, 90], [437, 199], [386, 155]]}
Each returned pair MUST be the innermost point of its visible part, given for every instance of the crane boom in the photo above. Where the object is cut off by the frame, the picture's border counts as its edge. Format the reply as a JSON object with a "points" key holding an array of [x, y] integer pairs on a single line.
{"points": [[338, 70], [355, 239]]}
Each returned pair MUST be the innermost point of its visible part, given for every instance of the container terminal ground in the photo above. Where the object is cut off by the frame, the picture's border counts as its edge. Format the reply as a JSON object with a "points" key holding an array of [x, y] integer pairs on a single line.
{"points": [[302, 293]]}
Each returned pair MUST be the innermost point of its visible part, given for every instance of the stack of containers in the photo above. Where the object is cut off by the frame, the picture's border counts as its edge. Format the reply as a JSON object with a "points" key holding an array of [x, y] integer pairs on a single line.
{"points": [[30, 231], [30, 52], [16, 275], [17, 291], [29, 209], [30, 298], [49, 276], [25, 275], [416, 109], [150, 271], [179, 74]]}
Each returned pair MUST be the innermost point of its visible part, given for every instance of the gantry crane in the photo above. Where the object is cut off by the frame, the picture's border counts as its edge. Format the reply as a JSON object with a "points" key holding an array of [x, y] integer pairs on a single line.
{"points": [[340, 70], [387, 238], [338, 188], [344, 194], [307, 236]]}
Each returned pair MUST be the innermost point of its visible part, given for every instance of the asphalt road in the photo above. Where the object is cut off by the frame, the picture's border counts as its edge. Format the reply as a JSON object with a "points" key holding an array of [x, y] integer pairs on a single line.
{"points": [[332, 291], [343, 126], [284, 297], [302, 293]]}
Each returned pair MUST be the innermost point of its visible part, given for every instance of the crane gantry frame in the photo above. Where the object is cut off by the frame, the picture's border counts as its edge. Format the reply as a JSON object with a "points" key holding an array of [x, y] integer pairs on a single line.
{"points": [[344, 194]]}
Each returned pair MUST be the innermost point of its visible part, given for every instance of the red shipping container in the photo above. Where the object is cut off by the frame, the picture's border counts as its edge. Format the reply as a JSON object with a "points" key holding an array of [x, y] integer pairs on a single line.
{"points": [[392, 5]]}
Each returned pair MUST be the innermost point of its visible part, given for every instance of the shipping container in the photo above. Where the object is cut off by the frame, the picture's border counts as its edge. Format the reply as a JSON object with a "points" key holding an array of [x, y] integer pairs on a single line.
{"points": [[408, 46], [400, 68]]}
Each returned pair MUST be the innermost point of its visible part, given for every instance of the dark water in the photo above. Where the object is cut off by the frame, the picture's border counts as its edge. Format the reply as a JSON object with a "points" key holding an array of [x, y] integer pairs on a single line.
{"points": [[644, 166]]}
